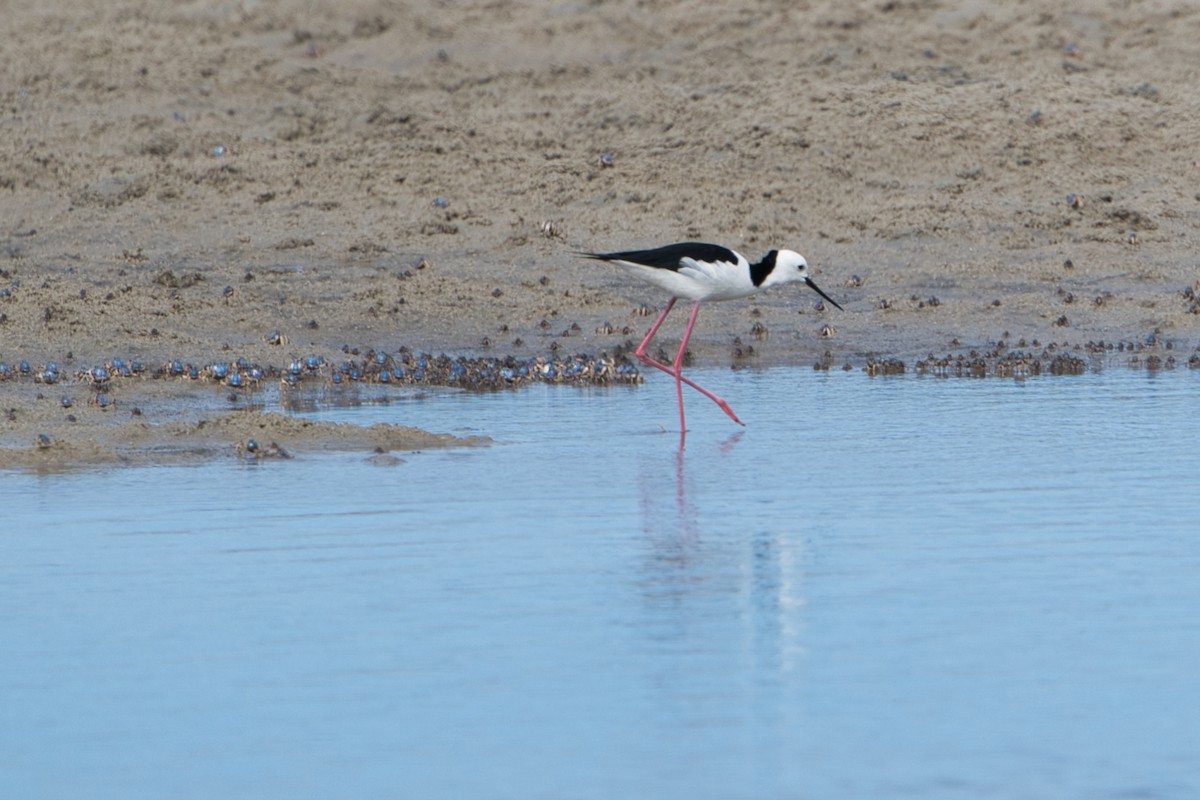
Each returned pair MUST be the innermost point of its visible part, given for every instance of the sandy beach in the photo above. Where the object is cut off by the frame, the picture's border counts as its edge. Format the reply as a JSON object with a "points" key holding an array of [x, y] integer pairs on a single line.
{"points": [[272, 181]]}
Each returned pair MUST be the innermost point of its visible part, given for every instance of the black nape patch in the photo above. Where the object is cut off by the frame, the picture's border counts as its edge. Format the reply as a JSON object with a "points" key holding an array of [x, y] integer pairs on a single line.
{"points": [[671, 256], [760, 271]]}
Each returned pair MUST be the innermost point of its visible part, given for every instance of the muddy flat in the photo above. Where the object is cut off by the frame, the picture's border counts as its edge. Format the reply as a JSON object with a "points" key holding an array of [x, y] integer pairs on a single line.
{"points": [[270, 181]]}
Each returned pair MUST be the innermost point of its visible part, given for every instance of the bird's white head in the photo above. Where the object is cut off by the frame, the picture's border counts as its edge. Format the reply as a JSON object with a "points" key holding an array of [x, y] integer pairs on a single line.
{"points": [[790, 266]]}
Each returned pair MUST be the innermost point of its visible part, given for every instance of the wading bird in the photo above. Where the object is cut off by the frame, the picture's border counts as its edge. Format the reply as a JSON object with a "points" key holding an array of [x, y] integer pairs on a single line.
{"points": [[698, 272]]}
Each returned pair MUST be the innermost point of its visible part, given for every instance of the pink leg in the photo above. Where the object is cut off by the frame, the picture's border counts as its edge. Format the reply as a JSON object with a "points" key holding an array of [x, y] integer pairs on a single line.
{"points": [[641, 348], [678, 365], [677, 370]]}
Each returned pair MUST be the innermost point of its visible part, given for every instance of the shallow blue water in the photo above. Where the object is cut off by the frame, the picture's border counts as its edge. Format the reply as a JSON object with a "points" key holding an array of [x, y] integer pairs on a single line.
{"points": [[890, 587]]}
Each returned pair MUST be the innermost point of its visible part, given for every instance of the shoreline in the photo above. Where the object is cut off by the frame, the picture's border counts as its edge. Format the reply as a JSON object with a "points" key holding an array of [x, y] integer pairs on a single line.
{"points": [[274, 181], [159, 420]]}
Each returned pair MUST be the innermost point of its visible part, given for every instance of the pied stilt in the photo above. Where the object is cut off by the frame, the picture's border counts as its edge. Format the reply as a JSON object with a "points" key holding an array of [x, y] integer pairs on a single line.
{"points": [[698, 272]]}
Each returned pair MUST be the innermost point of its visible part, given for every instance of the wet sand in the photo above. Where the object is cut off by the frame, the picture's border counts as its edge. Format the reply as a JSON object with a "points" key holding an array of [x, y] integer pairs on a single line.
{"points": [[161, 423], [186, 181]]}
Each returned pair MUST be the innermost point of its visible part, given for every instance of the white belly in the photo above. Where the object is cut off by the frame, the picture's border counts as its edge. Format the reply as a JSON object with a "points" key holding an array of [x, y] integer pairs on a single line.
{"points": [[698, 281]]}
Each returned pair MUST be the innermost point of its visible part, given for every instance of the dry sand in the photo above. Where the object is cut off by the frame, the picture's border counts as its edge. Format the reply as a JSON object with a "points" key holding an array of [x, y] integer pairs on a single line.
{"points": [[180, 180]]}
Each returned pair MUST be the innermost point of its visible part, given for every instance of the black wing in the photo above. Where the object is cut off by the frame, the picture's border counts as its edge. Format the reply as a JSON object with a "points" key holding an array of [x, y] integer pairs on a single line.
{"points": [[671, 256]]}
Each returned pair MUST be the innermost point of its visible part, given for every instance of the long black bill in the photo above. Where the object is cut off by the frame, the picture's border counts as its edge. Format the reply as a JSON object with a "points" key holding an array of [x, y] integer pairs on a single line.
{"points": [[817, 289]]}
